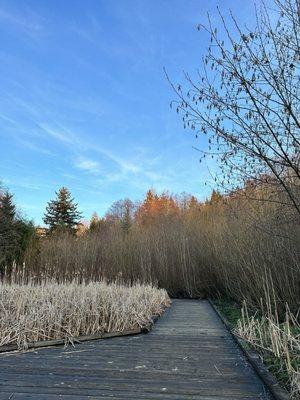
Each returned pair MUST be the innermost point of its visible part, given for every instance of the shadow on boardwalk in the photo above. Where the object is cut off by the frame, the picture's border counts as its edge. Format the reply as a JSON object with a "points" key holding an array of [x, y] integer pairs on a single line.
{"points": [[188, 355]]}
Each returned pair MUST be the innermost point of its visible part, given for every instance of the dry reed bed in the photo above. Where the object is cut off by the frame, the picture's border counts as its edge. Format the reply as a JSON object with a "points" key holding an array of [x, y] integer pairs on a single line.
{"points": [[50, 310]]}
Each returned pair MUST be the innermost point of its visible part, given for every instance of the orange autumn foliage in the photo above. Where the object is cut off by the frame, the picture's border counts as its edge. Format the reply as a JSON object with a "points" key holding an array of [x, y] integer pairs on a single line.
{"points": [[155, 206]]}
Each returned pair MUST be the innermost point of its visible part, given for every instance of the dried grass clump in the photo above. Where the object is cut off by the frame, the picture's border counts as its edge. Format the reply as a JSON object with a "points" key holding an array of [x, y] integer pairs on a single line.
{"points": [[50, 310], [278, 343]]}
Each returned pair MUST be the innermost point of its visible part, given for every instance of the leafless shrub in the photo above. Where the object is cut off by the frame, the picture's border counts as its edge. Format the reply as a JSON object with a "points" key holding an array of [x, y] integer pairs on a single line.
{"points": [[245, 101]]}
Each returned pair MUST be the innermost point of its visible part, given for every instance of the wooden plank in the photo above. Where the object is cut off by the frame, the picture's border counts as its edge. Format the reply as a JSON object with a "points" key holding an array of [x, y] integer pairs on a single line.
{"points": [[66, 341], [188, 355], [117, 395]]}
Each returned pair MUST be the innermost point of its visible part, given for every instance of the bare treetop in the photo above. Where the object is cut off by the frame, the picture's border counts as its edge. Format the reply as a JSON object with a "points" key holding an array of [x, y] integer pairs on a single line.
{"points": [[246, 101]]}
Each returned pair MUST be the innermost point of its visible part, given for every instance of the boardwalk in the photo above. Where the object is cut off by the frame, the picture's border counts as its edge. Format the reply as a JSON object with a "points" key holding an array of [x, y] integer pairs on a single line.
{"points": [[188, 355]]}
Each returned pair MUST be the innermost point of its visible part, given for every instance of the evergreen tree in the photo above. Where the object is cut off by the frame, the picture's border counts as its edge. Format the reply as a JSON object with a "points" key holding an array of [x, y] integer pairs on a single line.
{"points": [[27, 237], [16, 233], [62, 213], [7, 207], [94, 223], [216, 197], [8, 231]]}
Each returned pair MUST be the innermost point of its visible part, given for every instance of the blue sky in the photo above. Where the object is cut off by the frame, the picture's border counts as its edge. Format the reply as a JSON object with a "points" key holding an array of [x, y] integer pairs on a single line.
{"points": [[84, 102]]}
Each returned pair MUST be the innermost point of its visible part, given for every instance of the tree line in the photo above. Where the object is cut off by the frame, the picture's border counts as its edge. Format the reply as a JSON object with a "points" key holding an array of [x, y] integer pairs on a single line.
{"points": [[227, 244], [62, 216]]}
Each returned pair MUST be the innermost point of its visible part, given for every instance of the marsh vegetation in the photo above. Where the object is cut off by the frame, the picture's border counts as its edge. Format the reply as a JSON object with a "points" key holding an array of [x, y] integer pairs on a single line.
{"points": [[49, 310]]}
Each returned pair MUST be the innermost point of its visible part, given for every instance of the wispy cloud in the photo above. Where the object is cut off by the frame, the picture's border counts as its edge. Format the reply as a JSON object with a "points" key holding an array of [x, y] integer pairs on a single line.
{"points": [[121, 162], [25, 184], [60, 134], [28, 21], [88, 165], [9, 120], [74, 141], [33, 146]]}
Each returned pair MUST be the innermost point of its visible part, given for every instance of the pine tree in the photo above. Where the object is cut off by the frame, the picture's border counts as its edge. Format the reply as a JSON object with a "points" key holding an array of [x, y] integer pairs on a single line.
{"points": [[94, 222], [62, 213], [9, 234], [7, 207]]}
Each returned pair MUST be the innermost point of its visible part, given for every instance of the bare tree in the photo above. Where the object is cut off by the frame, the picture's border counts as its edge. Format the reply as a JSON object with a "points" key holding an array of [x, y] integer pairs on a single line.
{"points": [[246, 101], [122, 211]]}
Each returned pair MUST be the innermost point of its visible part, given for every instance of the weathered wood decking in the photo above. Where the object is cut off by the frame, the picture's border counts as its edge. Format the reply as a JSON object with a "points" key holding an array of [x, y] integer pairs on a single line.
{"points": [[188, 355]]}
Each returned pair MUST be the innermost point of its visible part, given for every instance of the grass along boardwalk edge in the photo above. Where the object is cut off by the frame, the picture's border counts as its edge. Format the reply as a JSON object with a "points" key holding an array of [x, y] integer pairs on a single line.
{"points": [[255, 360]]}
